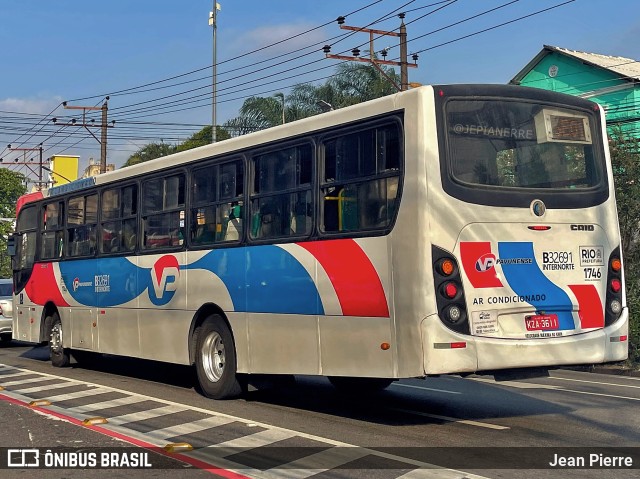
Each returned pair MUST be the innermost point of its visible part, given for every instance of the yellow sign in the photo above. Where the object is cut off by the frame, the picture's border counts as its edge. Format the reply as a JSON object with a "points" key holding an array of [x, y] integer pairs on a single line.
{"points": [[64, 169]]}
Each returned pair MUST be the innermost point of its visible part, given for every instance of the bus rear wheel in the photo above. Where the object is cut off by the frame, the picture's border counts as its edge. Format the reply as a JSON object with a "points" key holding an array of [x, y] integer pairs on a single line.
{"points": [[59, 355], [216, 360], [359, 385]]}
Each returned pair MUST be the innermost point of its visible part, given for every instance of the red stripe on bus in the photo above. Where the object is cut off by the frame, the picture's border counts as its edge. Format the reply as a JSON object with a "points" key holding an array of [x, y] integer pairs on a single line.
{"points": [[479, 263], [353, 276], [131, 440], [590, 308], [28, 198], [43, 286]]}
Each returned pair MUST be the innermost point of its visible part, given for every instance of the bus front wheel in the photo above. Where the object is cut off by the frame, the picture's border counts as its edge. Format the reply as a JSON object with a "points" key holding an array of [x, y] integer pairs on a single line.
{"points": [[59, 355], [216, 360]]}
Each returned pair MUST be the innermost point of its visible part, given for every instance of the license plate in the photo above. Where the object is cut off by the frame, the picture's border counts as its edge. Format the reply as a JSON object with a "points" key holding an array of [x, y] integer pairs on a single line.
{"points": [[541, 322]]}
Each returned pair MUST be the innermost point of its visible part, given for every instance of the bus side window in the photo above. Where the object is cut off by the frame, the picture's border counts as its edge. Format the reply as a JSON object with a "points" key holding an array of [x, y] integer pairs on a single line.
{"points": [[360, 179]]}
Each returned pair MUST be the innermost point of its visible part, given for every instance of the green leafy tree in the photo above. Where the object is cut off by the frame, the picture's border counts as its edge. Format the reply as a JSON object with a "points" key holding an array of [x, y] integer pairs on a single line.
{"points": [[625, 159], [202, 138], [12, 186], [150, 152]]}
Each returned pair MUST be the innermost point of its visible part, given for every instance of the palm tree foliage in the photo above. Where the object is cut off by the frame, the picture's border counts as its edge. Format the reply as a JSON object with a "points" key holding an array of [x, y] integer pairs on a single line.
{"points": [[353, 83]]}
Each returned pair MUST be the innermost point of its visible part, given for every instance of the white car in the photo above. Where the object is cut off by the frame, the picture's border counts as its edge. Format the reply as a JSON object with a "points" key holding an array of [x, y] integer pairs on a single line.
{"points": [[6, 309]]}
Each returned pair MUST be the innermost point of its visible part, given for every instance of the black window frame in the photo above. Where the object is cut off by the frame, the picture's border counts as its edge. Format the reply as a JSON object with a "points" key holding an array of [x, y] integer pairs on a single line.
{"points": [[87, 228], [487, 195], [58, 230], [235, 214], [396, 119], [255, 219], [126, 224], [181, 209]]}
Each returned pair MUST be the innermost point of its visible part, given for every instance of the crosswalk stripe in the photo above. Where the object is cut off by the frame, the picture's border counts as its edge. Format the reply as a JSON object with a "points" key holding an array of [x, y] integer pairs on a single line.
{"points": [[28, 380], [107, 404], [48, 387], [437, 473], [250, 441], [77, 395], [139, 416], [317, 463], [234, 454], [190, 428]]}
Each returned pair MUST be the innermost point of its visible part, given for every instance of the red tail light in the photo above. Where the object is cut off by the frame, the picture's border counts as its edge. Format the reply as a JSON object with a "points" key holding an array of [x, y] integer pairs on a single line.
{"points": [[450, 290], [616, 285]]}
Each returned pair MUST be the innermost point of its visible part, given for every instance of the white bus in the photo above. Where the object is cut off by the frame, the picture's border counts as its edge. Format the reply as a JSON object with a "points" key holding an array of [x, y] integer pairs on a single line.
{"points": [[447, 229]]}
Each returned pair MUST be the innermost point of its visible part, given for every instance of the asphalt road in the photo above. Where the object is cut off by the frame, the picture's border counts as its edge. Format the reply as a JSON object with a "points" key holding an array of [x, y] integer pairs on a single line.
{"points": [[475, 423]]}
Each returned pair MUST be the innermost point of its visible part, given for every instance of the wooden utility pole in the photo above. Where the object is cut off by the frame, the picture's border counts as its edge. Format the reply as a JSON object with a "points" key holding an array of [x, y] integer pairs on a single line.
{"points": [[103, 127], [29, 163], [403, 63]]}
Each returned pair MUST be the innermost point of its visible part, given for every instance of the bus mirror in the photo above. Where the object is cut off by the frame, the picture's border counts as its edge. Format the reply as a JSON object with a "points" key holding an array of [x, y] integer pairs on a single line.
{"points": [[11, 245]]}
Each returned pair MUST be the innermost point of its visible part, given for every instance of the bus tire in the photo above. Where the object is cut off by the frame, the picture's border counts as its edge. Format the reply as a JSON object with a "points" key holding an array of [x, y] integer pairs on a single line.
{"points": [[359, 385], [59, 355], [216, 360]]}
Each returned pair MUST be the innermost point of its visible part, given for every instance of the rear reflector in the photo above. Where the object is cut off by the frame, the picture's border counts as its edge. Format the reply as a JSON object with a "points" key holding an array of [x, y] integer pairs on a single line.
{"points": [[539, 228], [459, 345], [618, 339]]}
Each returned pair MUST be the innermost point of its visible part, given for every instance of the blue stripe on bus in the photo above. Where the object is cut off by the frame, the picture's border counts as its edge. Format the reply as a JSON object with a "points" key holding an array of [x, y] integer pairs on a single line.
{"points": [[83, 280], [263, 279], [526, 279], [259, 279]]}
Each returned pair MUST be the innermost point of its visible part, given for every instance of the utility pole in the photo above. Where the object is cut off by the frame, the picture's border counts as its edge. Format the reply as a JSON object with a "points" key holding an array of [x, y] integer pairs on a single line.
{"points": [[103, 139], [29, 163], [213, 18], [103, 127], [403, 63]]}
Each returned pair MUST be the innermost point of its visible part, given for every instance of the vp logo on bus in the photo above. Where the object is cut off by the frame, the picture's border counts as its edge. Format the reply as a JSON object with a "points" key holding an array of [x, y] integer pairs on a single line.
{"points": [[485, 262], [164, 280]]}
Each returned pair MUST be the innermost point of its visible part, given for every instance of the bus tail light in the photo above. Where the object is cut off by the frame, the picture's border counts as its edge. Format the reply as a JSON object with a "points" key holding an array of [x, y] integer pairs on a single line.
{"points": [[613, 302], [446, 267], [615, 285], [616, 265], [449, 292]]}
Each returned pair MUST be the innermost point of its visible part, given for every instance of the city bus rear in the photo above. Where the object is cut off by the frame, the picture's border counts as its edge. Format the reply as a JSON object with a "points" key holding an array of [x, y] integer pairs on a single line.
{"points": [[528, 271]]}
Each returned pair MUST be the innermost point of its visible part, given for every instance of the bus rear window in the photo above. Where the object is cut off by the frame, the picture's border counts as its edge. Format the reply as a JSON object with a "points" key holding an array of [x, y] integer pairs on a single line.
{"points": [[503, 143]]}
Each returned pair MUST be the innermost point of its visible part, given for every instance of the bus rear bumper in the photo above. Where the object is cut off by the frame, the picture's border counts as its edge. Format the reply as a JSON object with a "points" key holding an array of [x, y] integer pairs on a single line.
{"points": [[447, 352]]}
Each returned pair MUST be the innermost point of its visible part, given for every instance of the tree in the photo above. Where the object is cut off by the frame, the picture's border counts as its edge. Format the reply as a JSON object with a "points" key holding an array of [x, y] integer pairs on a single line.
{"points": [[12, 186], [202, 138], [150, 152], [625, 159], [353, 83]]}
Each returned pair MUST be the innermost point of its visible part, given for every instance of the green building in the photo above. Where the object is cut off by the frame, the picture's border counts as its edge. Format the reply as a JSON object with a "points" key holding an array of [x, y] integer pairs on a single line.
{"points": [[613, 82]]}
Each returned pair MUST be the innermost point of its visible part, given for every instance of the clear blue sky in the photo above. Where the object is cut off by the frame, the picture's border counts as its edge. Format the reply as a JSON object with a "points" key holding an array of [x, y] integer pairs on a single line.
{"points": [[80, 50]]}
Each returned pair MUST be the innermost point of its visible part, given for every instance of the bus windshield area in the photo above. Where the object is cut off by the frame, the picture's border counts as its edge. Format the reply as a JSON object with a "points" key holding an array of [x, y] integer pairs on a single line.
{"points": [[507, 143]]}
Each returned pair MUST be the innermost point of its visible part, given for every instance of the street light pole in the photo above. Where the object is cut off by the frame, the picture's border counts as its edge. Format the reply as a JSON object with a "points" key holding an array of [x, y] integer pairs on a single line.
{"points": [[213, 16], [281, 96]]}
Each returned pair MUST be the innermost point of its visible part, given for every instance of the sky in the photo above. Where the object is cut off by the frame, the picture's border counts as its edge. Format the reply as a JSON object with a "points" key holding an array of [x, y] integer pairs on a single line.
{"points": [[153, 58]]}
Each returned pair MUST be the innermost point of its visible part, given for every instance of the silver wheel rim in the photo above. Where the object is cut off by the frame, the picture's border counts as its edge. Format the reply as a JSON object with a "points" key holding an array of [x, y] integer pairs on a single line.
{"points": [[56, 338], [213, 357]]}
